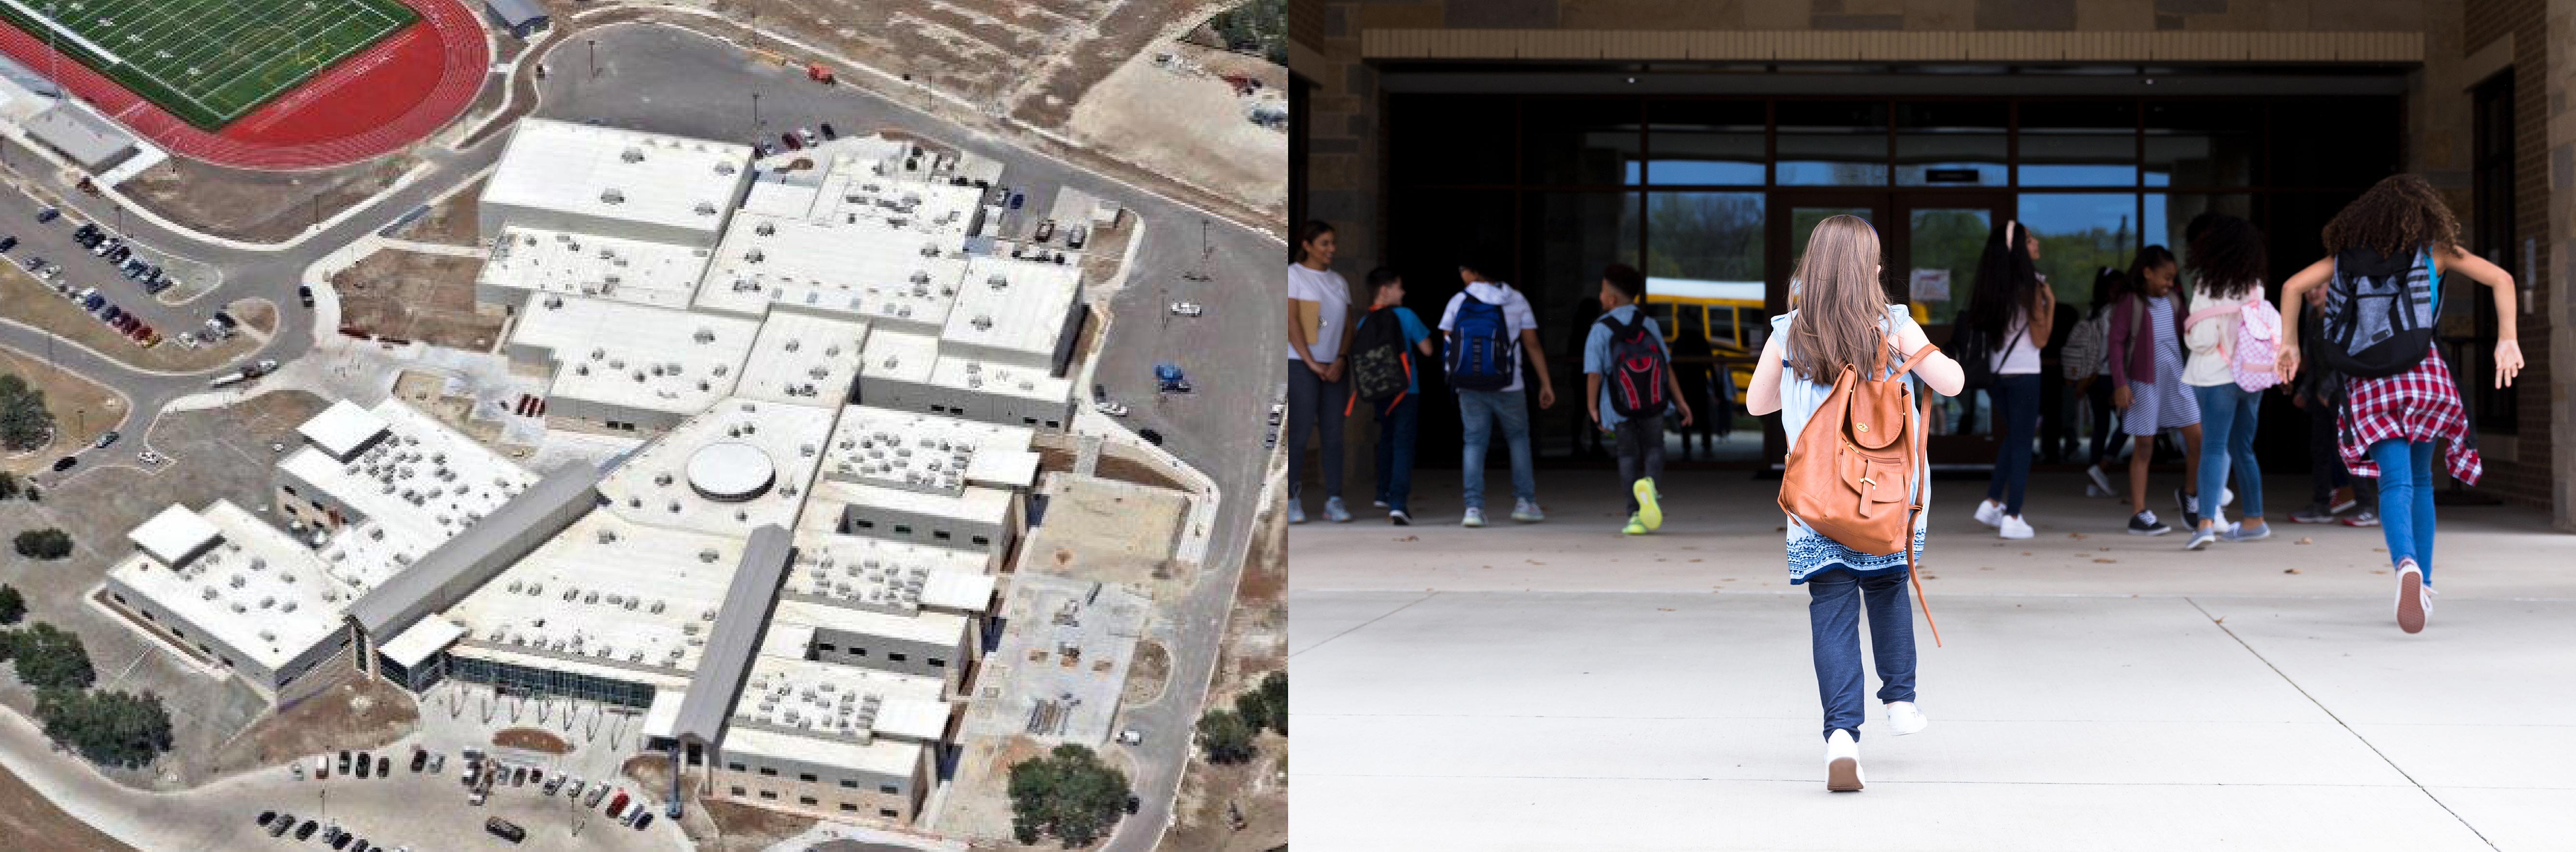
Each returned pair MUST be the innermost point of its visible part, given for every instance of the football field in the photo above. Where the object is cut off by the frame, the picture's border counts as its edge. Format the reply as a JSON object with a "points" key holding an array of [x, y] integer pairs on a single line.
{"points": [[209, 62]]}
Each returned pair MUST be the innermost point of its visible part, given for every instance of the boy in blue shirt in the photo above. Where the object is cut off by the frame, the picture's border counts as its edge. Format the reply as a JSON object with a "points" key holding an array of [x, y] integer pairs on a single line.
{"points": [[1641, 438], [1395, 426]]}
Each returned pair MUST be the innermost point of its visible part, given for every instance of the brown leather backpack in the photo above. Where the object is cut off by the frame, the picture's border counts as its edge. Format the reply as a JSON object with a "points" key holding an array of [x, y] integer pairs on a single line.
{"points": [[1853, 477]]}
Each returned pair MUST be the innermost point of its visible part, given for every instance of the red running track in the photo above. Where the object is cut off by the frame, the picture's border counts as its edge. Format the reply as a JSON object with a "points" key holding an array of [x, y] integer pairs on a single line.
{"points": [[381, 100]]}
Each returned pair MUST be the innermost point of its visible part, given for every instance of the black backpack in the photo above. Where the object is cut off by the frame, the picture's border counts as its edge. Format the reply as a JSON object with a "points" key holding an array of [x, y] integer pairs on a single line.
{"points": [[1638, 376], [1380, 366], [2380, 313], [1976, 350]]}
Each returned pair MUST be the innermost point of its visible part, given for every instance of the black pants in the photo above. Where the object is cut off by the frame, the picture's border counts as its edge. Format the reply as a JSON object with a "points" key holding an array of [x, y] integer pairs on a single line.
{"points": [[1641, 453]]}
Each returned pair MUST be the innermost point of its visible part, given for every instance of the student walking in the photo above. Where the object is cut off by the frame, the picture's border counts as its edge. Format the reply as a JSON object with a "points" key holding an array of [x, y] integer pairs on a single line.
{"points": [[1629, 386], [2399, 399], [2014, 310], [1843, 321], [1319, 328], [2145, 333], [2087, 366], [1392, 335], [1487, 325], [2233, 334]]}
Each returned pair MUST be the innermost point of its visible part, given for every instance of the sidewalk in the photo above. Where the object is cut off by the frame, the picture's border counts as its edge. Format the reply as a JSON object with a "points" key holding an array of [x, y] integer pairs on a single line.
{"points": [[1557, 685]]}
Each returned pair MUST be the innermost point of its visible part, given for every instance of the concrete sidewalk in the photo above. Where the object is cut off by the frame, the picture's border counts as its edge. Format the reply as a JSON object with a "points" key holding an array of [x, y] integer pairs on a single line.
{"points": [[1559, 686]]}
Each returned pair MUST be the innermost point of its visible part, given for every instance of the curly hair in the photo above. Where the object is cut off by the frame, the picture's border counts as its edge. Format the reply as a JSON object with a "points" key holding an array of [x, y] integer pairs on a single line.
{"points": [[2396, 216], [2227, 258]]}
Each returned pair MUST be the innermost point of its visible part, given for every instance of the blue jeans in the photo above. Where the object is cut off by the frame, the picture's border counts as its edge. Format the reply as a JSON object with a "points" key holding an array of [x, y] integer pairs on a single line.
{"points": [[1395, 451], [2406, 500], [2016, 417], [1834, 600], [1479, 411], [2227, 439]]}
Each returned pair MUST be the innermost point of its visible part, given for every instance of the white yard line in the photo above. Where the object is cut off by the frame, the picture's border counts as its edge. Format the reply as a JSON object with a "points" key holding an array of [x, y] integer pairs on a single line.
{"points": [[67, 32]]}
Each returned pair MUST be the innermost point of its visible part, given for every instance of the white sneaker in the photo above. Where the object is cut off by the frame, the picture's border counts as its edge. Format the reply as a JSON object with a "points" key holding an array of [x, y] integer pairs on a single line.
{"points": [[1990, 513], [1378, 503], [1474, 518], [1296, 512], [2414, 599], [2099, 484], [1334, 512], [2226, 496], [2014, 527], [1902, 716], [1527, 512], [1842, 762]]}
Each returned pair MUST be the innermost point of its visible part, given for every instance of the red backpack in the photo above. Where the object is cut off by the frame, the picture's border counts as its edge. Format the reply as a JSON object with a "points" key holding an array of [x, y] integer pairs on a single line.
{"points": [[1638, 375]]}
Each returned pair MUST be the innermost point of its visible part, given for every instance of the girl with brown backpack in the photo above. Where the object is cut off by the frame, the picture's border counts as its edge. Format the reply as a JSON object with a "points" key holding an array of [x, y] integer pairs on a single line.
{"points": [[1836, 368]]}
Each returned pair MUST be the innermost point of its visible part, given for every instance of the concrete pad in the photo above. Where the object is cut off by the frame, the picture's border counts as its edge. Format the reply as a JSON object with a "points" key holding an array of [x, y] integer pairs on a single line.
{"points": [[1552, 814], [1334, 615], [2516, 820], [2520, 756], [2478, 661]]}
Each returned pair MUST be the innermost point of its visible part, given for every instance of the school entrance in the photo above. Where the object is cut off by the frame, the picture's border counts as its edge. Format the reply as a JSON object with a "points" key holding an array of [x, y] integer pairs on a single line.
{"points": [[1713, 196]]}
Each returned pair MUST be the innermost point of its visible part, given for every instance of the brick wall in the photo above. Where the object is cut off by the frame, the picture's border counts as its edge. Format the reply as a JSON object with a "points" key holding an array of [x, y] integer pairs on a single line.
{"points": [[2521, 472]]}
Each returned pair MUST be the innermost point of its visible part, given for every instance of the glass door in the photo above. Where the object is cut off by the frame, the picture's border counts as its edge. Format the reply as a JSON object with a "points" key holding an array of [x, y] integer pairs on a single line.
{"points": [[1793, 219], [1932, 261]]}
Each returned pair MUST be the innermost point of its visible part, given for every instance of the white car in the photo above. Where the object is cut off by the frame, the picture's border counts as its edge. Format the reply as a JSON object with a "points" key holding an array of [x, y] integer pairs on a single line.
{"points": [[1112, 409], [1130, 736], [1188, 309]]}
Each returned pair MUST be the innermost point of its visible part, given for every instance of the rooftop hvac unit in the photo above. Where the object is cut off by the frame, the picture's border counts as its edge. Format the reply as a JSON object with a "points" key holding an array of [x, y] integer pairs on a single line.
{"points": [[288, 606], [706, 208], [581, 369], [675, 507], [612, 196], [705, 335], [590, 597], [211, 594], [721, 369], [998, 281], [753, 256], [238, 609], [632, 155]]}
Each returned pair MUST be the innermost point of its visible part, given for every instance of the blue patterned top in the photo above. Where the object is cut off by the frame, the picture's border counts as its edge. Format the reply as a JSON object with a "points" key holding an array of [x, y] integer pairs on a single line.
{"points": [[1810, 551]]}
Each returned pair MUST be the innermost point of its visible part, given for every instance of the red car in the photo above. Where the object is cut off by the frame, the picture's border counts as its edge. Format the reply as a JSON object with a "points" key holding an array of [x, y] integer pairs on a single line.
{"points": [[789, 139]]}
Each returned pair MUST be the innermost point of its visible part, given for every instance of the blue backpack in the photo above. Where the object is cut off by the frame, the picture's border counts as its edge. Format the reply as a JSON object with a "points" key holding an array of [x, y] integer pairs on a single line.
{"points": [[1482, 350]]}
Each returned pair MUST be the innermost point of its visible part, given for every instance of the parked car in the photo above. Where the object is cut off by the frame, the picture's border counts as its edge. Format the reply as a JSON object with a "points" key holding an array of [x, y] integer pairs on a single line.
{"points": [[1018, 198], [49, 214], [384, 766], [85, 231], [644, 820], [1112, 409], [360, 846], [33, 263], [7, 243], [763, 148], [805, 136], [828, 132], [266, 817], [437, 762], [419, 758], [106, 439], [121, 254], [505, 829], [1152, 437], [304, 293], [1046, 228], [790, 142], [1188, 309], [365, 764], [573, 788], [617, 804], [279, 827], [344, 761], [304, 832], [65, 463], [596, 794]]}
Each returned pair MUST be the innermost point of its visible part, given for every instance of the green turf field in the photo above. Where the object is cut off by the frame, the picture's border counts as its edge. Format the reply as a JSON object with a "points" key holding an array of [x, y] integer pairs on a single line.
{"points": [[209, 62]]}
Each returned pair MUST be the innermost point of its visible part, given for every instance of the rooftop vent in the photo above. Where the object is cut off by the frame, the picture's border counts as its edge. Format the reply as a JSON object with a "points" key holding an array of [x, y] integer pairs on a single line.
{"points": [[613, 196], [632, 155]]}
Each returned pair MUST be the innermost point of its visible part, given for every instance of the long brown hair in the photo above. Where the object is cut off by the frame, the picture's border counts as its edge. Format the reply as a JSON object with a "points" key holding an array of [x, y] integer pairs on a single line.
{"points": [[2395, 217], [1840, 302]]}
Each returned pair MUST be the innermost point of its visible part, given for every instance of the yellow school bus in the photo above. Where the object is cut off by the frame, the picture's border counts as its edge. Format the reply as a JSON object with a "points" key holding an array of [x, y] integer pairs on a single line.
{"points": [[1728, 314]]}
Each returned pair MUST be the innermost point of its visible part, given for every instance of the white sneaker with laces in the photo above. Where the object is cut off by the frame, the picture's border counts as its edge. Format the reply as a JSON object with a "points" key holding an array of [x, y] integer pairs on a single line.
{"points": [[1296, 511], [1527, 512], [2014, 527], [1905, 718], [1842, 762], [2414, 599], [2100, 484], [1334, 511], [1475, 518], [1990, 513]]}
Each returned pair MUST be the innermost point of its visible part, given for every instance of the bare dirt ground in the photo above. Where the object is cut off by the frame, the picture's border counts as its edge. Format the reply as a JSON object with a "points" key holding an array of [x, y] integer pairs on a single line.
{"points": [[1255, 645], [981, 50], [450, 222], [1147, 674], [82, 409], [259, 314], [1123, 469], [979, 803], [264, 207], [1189, 124], [31, 823], [531, 739], [743, 828], [1113, 532], [414, 296], [25, 300], [357, 714], [1068, 76]]}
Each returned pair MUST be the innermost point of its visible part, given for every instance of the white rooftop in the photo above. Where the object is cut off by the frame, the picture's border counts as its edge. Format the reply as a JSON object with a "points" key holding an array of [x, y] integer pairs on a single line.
{"points": [[850, 241], [607, 596], [999, 379], [174, 535], [832, 702], [928, 453], [643, 272], [654, 485], [636, 356], [258, 591], [608, 173], [804, 358], [887, 575], [421, 640], [1011, 310], [342, 428], [411, 492], [901, 356], [928, 628], [888, 757]]}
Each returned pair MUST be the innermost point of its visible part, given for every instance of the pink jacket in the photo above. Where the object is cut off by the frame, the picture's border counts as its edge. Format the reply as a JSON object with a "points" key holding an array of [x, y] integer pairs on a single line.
{"points": [[2133, 357]]}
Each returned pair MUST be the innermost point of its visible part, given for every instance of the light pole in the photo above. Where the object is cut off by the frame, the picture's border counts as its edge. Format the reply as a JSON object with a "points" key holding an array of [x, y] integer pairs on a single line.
{"points": [[755, 116], [594, 56]]}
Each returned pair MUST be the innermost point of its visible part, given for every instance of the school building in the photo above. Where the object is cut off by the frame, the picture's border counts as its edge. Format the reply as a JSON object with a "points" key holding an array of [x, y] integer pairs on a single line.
{"points": [[1701, 141]]}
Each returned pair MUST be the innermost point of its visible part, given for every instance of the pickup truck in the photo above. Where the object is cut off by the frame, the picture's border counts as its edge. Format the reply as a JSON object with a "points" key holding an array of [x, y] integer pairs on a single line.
{"points": [[263, 367]]}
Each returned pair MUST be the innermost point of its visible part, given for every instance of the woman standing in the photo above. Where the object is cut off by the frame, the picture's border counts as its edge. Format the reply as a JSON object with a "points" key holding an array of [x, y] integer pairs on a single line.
{"points": [[2401, 233], [2227, 263], [1843, 318], [1319, 327], [2015, 309], [2146, 380]]}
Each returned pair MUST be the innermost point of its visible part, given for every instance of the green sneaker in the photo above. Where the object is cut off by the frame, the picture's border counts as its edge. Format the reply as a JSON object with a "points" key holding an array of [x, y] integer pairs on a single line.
{"points": [[1649, 515], [1634, 527]]}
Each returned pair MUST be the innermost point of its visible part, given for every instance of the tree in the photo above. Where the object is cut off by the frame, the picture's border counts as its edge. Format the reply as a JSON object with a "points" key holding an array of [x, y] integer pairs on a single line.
{"points": [[112, 728], [8, 485], [44, 544], [1068, 794], [25, 423], [1259, 26], [48, 656], [1225, 737], [1266, 706], [12, 605]]}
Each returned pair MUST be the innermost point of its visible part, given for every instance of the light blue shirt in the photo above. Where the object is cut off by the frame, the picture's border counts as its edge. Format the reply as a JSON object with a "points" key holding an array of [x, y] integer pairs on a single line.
{"points": [[1596, 355]]}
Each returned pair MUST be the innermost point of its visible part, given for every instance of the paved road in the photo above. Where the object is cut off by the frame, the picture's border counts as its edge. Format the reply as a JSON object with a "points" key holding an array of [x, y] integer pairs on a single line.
{"points": [[670, 81]]}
